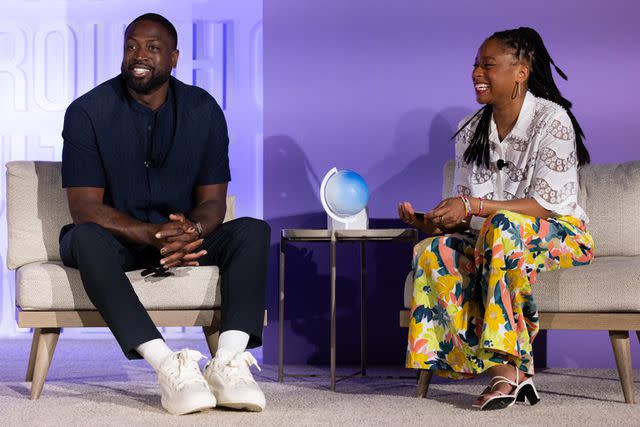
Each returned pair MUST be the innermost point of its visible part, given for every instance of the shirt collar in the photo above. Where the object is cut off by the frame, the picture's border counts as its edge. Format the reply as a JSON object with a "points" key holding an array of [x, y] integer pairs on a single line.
{"points": [[522, 124], [136, 106], [525, 117]]}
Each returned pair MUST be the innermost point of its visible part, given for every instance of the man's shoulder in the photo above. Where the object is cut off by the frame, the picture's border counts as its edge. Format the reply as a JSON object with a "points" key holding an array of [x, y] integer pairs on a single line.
{"points": [[194, 98], [102, 97]]}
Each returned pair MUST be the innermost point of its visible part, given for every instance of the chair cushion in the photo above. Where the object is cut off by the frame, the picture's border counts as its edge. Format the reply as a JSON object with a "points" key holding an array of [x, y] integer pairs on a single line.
{"points": [[52, 286], [610, 194], [37, 209], [448, 171], [608, 284]]}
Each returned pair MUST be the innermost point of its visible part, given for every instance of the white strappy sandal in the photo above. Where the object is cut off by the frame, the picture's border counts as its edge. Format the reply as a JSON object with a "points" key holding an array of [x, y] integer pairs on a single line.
{"points": [[522, 391], [526, 392], [500, 400]]}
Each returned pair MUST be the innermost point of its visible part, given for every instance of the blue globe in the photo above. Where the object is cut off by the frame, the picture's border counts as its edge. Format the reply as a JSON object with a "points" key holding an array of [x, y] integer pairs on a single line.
{"points": [[346, 193]]}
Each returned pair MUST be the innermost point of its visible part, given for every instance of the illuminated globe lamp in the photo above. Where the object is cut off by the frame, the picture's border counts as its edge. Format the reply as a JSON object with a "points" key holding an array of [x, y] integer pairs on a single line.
{"points": [[344, 195]]}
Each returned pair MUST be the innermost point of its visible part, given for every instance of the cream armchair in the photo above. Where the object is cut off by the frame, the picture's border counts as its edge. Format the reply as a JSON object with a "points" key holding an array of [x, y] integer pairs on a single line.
{"points": [[50, 296], [604, 295]]}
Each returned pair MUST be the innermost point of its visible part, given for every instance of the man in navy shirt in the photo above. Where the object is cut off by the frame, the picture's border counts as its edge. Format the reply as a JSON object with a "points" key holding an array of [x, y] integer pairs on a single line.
{"points": [[145, 164]]}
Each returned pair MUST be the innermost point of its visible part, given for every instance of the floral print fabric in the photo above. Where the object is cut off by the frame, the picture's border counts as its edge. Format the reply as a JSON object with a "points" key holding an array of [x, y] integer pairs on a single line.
{"points": [[472, 305]]}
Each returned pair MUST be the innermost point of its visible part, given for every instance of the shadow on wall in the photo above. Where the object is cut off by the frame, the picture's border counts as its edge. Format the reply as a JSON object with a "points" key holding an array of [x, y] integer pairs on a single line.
{"points": [[290, 200], [421, 146]]}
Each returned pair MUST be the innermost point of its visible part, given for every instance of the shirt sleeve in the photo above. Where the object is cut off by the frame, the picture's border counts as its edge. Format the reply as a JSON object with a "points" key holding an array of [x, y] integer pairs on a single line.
{"points": [[555, 177], [81, 162], [214, 168], [460, 177]]}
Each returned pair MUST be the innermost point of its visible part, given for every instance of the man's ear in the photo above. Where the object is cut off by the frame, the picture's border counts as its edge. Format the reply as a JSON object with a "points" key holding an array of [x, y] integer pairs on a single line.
{"points": [[174, 58]]}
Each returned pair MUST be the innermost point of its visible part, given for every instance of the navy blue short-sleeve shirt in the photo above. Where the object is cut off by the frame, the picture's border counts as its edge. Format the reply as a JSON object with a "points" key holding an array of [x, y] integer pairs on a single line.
{"points": [[149, 163]]}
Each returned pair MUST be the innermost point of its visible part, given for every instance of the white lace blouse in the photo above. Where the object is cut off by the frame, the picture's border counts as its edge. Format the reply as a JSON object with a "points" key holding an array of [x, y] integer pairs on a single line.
{"points": [[539, 156]]}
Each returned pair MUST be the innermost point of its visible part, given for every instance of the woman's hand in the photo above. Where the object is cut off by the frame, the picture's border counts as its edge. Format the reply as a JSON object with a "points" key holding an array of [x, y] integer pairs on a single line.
{"points": [[408, 216], [448, 214]]}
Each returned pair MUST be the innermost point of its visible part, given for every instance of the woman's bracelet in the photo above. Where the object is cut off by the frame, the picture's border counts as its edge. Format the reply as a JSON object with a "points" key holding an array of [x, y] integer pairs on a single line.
{"points": [[480, 206], [467, 206]]}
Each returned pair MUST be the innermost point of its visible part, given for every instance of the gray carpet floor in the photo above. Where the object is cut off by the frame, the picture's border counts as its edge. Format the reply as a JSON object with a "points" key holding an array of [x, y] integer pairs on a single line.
{"points": [[91, 383]]}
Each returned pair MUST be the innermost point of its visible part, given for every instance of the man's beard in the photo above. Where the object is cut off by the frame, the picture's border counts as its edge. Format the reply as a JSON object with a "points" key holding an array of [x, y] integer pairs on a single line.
{"points": [[144, 87]]}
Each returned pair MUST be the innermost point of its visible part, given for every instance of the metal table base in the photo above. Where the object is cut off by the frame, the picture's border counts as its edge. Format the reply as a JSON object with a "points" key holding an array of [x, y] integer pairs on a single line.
{"points": [[335, 236]]}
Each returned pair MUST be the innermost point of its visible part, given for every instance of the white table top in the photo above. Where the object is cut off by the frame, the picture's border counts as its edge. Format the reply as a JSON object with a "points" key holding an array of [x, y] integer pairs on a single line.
{"points": [[306, 234]]}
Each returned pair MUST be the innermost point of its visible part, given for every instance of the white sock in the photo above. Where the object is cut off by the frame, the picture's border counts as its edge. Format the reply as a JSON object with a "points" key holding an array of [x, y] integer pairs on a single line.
{"points": [[233, 341], [154, 352]]}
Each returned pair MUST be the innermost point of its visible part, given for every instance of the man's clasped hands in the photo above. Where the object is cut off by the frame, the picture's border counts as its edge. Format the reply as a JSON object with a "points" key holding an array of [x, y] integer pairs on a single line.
{"points": [[178, 241]]}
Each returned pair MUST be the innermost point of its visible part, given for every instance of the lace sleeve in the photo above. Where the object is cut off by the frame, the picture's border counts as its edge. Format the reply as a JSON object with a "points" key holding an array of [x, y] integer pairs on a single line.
{"points": [[555, 178]]}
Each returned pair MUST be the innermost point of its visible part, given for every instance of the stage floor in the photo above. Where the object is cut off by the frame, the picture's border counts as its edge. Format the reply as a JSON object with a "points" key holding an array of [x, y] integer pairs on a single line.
{"points": [[91, 383]]}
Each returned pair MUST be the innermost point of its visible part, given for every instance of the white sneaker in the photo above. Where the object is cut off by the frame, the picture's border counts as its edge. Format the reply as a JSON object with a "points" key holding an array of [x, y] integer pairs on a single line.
{"points": [[183, 388], [231, 381]]}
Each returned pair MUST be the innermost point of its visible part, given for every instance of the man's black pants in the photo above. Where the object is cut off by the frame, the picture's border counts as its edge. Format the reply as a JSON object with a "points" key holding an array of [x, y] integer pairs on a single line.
{"points": [[239, 248]]}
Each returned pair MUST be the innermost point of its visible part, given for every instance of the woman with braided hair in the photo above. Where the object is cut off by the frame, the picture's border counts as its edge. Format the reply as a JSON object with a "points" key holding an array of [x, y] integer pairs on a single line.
{"points": [[514, 212]]}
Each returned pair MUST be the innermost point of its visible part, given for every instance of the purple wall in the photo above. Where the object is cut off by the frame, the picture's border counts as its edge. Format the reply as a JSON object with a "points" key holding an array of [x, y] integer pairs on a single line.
{"points": [[378, 86]]}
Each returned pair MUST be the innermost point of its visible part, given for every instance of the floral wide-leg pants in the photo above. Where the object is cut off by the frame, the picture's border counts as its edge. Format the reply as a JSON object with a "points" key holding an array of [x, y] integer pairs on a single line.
{"points": [[472, 306]]}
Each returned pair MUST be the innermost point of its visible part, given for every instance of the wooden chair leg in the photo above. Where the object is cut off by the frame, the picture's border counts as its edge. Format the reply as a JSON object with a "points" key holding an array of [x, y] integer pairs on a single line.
{"points": [[47, 340], [32, 354], [212, 334], [622, 353], [423, 382]]}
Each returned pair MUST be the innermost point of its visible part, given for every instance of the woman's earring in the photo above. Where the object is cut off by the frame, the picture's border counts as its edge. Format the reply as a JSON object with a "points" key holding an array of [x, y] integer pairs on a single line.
{"points": [[516, 91]]}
